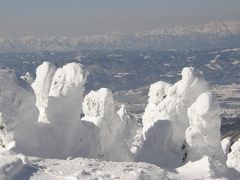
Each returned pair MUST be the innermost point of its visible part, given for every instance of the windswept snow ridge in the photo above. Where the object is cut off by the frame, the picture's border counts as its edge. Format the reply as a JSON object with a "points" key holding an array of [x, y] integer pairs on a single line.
{"points": [[52, 119]]}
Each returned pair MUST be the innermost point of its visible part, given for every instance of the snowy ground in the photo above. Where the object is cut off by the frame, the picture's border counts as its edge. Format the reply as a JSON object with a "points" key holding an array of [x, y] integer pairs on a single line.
{"points": [[81, 168]]}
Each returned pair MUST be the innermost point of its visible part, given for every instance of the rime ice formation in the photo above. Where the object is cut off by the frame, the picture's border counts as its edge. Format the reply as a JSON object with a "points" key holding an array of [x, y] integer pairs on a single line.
{"points": [[52, 119], [59, 94], [54, 129], [234, 156], [27, 77], [6, 138], [98, 107], [203, 135], [18, 113], [226, 143], [128, 126], [157, 92], [41, 87], [170, 103]]}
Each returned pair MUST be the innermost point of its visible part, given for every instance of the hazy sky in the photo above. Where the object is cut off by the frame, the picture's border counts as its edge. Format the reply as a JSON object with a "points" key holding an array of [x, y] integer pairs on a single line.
{"points": [[87, 17]]}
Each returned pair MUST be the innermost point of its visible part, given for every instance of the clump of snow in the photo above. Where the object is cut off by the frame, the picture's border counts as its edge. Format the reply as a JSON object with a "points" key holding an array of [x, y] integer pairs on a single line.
{"points": [[203, 134], [41, 87], [128, 127], [19, 114], [27, 77], [157, 92], [6, 138], [234, 156], [156, 147], [170, 103], [59, 95], [10, 165], [98, 107], [53, 130], [67, 79], [226, 143]]}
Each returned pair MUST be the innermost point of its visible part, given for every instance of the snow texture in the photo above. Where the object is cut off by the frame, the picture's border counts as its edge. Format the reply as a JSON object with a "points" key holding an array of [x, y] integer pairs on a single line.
{"points": [[59, 94], [203, 134], [98, 107], [234, 156], [167, 107], [226, 143]]}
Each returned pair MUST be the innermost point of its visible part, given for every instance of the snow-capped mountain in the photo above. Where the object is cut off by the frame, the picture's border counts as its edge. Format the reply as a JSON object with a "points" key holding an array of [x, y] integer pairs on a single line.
{"points": [[207, 36]]}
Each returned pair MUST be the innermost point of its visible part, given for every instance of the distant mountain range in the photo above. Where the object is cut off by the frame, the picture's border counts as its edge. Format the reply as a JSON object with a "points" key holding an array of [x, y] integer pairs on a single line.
{"points": [[208, 36]]}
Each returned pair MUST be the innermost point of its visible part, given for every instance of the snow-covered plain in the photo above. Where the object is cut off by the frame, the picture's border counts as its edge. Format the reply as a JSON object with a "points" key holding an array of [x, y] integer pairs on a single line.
{"points": [[49, 129]]}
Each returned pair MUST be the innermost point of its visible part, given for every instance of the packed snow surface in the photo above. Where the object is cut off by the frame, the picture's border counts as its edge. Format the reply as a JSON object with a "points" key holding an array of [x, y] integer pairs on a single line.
{"points": [[51, 129]]}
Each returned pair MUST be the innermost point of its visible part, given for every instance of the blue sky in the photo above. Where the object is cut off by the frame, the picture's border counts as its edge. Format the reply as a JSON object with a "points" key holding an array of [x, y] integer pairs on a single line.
{"points": [[87, 17]]}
